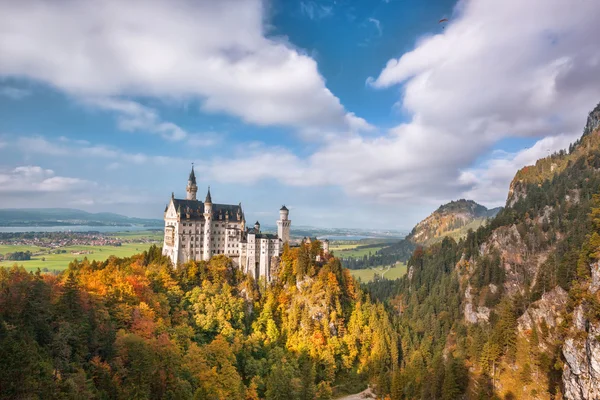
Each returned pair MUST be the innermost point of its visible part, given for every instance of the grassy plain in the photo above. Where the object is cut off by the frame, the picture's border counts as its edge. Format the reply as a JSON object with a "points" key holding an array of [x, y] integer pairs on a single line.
{"points": [[58, 262], [367, 275]]}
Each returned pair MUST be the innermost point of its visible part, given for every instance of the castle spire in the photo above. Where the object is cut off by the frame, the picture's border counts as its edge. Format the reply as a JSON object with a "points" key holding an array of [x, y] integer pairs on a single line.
{"points": [[191, 188], [192, 178], [208, 198]]}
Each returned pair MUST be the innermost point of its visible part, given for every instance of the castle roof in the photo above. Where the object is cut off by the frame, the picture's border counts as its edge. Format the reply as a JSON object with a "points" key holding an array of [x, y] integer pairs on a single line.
{"points": [[208, 198], [192, 177], [260, 235], [283, 208], [195, 209]]}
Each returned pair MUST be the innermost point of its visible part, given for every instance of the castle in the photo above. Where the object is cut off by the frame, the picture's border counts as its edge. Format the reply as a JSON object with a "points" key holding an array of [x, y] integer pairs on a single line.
{"points": [[196, 230]]}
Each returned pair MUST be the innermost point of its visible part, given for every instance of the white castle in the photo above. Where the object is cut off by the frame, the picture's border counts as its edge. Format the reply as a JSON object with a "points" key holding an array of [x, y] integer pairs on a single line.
{"points": [[197, 231]]}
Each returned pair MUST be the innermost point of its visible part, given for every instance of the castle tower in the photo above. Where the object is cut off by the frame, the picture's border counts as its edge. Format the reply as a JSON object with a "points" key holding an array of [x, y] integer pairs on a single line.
{"points": [[283, 225], [207, 226], [326, 246], [191, 188], [257, 227]]}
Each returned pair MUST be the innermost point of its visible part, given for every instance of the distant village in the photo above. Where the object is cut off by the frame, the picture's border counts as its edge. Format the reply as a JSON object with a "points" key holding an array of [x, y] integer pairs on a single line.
{"points": [[56, 241]]}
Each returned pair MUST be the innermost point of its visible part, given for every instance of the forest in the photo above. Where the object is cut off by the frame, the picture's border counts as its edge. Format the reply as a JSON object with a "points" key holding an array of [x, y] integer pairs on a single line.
{"points": [[553, 218], [135, 328]]}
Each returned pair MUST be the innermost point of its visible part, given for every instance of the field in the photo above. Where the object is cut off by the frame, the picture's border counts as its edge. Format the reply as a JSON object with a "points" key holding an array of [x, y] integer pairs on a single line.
{"points": [[57, 262], [357, 249], [367, 275]]}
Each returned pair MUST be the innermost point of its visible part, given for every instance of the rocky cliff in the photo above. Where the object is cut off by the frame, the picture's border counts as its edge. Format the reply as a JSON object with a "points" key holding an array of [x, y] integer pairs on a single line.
{"points": [[543, 252]]}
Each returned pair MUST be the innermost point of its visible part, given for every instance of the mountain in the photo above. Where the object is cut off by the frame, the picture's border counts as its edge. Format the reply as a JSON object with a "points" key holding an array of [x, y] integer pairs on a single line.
{"points": [[453, 219], [512, 311], [68, 217]]}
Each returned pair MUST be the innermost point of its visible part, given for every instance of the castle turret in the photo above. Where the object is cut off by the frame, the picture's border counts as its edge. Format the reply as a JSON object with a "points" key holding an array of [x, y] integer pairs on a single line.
{"points": [[257, 227], [207, 250], [326, 246], [192, 188], [283, 225]]}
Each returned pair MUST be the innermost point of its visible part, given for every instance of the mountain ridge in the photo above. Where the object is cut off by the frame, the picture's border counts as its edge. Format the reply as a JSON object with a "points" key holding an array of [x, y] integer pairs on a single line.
{"points": [[454, 219], [15, 217]]}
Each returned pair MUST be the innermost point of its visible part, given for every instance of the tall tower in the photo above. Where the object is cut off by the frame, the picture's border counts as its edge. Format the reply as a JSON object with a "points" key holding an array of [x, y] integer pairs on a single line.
{"points": [[283, 225], [191, 188], [207, 226]]}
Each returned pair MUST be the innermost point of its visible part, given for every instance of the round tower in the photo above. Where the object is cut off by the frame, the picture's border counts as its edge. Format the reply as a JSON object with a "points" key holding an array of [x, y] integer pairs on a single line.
{"points": [[283, 224], [257, 226]]}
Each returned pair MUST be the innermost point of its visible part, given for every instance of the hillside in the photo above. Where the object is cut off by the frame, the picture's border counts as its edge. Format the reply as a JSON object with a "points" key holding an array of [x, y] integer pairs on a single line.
{"points": [[513, 310], [67, 217], [136, 328], [453, 219]]}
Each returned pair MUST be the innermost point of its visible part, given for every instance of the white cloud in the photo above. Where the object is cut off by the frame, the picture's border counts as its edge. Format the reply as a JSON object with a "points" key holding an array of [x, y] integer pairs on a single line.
{"points": [[206, 139], [215, 52], [315, 11], [480, 81], [490, 181], [31, 178], [136, 117], [14, 93], [377, 24], [477, 83], [76, 148]]}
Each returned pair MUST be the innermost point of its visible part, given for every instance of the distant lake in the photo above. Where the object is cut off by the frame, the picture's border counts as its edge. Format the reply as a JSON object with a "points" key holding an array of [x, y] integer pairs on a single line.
{"points": [[76, 228], [349, 237]]}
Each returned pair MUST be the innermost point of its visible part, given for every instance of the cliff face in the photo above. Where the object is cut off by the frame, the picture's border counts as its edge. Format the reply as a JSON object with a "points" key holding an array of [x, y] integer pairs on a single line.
{"points": [[544, 248], [581, 349], [593, 121]]}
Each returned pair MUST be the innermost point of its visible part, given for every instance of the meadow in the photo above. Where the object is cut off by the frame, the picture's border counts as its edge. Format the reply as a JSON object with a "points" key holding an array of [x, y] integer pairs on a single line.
{"points": [[58, 262], [45, 260], [391, 273]]}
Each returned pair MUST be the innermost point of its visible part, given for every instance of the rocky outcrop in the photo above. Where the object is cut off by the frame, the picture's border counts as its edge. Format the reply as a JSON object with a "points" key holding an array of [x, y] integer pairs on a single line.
{"points": [[595, 281], [474, 315], [581, 350], [581, 372], [593, 121], [550, 309]]}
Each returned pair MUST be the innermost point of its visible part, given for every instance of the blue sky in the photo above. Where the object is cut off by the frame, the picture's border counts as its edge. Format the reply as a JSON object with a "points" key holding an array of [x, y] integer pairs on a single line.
{"points": [[353, 113]]}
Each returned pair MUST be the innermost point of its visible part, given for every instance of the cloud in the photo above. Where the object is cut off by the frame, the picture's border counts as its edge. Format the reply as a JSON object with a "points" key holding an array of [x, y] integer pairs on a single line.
{"points": [[14, 93], [490, 181], [31, 178], [214, 52], [136, 117], [206, 139], [377, 24], [481, 81], [77, 148], [464, 90], [315, 11]]}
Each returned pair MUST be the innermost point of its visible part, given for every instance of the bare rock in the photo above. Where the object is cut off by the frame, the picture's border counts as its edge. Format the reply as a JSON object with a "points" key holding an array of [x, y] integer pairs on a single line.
{"points": [[550, 309], [581, 372]]}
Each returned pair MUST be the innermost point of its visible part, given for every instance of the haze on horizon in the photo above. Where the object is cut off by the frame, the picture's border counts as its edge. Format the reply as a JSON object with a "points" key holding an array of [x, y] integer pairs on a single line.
{"points": [[353, 114]]}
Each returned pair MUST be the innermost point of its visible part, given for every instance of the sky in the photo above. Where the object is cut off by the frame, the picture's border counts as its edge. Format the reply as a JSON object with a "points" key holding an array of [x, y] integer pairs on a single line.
{"points": [[354, 114]]}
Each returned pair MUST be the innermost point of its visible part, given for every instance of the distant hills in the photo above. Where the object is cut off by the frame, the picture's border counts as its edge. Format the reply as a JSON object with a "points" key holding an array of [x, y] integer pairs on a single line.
{"points": [[453, 219], [23, 217]]}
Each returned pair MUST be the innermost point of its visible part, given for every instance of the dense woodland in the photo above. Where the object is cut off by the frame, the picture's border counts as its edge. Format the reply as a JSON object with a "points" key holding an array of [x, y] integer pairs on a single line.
{"points": [[558, 216], [135, 328]]}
